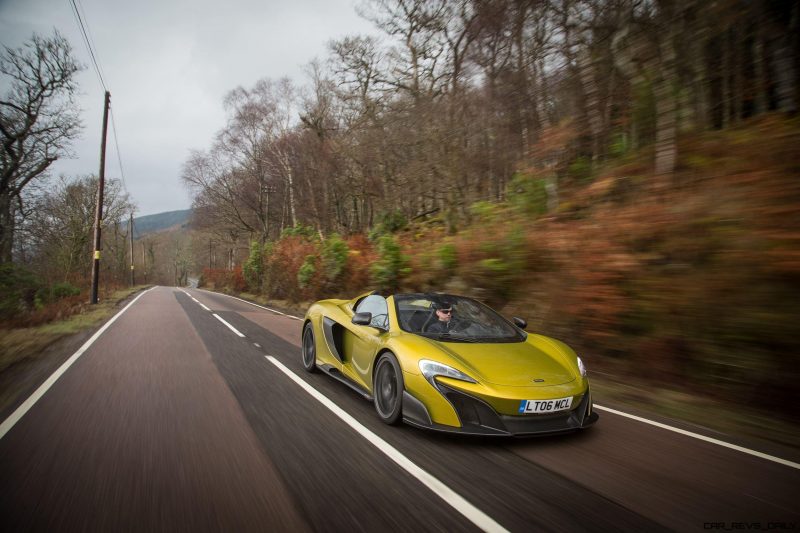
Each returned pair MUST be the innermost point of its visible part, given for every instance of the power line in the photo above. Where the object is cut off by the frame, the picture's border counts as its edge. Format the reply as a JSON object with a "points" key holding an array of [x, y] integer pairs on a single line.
{"points": [[119, 155], [88, 28], [89, 33], [87, 41], [80, 16]]}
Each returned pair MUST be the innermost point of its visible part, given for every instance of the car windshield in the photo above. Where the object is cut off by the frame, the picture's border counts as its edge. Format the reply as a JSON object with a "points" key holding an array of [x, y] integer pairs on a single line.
{"points": [[450, 318]]}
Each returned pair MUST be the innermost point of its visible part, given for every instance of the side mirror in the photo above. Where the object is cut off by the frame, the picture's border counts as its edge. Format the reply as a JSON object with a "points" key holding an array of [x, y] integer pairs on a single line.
{"points": [[520, 323], [362, 319]]}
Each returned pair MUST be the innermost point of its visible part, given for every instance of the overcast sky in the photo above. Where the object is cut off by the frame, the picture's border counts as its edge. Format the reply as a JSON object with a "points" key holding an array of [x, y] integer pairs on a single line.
{"points": [[168, 64]]}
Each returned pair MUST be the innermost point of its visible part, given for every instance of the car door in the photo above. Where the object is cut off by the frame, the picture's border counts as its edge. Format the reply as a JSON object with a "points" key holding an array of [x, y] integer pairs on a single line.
{"points": [[361, 343]]}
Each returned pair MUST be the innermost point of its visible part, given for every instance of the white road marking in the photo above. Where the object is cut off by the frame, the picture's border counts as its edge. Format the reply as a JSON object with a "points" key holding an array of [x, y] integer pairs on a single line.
{"points": [[256, 305], [233, 329], [199, 303], [703, 438], [256, 345], [15, 417], [452, 498]]}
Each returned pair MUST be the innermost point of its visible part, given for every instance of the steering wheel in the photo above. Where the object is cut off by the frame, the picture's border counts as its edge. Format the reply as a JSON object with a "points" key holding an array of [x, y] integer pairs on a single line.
{"points": [[459, 324], [428, 321]]}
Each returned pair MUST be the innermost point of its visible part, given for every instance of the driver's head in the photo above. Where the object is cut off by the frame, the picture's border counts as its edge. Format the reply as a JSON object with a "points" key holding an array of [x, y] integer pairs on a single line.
{"points": [[444, 310]]}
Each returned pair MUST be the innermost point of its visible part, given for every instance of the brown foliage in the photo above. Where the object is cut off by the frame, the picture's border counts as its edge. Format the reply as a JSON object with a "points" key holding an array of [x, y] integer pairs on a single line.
{"points": [[356, 276], [283, 264], [224, 279]]}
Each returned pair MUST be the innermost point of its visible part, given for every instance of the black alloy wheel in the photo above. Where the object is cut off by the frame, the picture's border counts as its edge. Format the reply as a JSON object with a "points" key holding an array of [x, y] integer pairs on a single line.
{"points": [[388, 389], [309, 349]]}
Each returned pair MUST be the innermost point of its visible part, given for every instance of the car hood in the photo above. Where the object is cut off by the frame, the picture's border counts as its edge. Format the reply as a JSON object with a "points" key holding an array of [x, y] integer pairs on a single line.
{"points": [[519, 364]]}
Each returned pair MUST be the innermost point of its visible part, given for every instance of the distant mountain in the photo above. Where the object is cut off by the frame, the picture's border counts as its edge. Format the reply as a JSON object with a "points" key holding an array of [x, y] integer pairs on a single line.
{"points": [[159, 222]]}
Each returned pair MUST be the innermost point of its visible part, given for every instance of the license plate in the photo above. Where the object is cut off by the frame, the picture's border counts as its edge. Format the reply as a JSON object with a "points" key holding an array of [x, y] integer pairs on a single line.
{"points": [[544, 406]]}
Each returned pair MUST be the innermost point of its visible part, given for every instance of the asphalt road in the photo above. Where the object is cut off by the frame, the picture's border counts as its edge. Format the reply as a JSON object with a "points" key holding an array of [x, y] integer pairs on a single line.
{"points": [[171, 421]]}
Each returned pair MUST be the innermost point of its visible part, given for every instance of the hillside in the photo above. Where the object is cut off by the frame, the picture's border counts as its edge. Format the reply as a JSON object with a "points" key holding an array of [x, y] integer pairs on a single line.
{"points": [[159, 222]]}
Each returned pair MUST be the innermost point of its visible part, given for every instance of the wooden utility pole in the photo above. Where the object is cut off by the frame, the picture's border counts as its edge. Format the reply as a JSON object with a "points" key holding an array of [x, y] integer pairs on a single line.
{"points": [[144, 261], [98, 217], [130, 232]]}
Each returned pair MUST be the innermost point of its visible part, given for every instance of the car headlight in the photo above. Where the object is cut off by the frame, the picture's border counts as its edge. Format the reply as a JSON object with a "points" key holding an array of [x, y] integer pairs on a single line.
{"points": [[581, 367], [431, 369]]}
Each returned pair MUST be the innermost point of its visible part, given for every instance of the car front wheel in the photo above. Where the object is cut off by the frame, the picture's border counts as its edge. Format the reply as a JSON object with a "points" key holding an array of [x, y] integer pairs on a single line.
{"points": [[388, 389], [309, 349]]}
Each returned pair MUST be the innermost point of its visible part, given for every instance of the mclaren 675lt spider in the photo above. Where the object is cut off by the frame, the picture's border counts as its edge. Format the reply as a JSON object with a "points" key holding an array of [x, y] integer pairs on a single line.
{"points": [[448, 363]]}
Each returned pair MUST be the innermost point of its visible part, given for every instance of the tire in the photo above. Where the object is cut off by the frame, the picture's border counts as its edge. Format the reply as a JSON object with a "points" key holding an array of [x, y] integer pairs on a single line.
{"points": [[309, 349], [388, 389]]}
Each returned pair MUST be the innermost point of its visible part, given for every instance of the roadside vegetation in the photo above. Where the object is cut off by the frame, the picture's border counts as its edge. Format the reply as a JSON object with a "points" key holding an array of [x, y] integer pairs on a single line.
{"points": [[687, 284], [622, 174]]}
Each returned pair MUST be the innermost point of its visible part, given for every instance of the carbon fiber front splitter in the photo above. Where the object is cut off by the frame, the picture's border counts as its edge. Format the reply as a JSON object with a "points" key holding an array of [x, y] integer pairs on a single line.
{"points": [[478, 418]]}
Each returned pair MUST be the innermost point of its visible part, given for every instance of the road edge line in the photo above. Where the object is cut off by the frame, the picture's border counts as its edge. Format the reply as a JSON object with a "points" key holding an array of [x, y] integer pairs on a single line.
{"points": [[698, 436], [451, 497], [20, 411]]}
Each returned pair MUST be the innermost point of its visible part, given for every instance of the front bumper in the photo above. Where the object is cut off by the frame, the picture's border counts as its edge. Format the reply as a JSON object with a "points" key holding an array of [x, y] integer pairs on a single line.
{"points": [[479, 418]]}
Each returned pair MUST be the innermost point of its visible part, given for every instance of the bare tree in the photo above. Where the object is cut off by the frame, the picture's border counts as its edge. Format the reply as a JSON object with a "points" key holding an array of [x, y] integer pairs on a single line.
{"points": [[38, 120], [262, 117], [58, 232], [357, 71], [462, 98], [418, 63]]}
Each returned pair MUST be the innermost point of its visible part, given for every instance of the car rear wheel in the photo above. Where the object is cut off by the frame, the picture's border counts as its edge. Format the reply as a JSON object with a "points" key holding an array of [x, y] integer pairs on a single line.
{"points": [[309, 349], [388, 389]]}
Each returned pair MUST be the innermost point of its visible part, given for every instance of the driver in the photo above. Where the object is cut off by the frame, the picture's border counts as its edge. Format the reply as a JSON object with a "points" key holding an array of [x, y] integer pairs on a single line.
{"points": [[444, 314]]}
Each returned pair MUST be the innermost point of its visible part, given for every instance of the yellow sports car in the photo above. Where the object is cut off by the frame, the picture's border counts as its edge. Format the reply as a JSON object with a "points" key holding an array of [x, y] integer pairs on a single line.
{"points": [[448, 363]]}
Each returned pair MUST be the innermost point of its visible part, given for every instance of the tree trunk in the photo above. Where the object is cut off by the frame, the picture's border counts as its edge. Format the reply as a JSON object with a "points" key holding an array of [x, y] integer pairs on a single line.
{"points": [[522, 73], [666, 151], [541, 87], [700, 81], [290, 185], [785, 75], [591, 102], [6, 228], [737, 95], [760, 68]]}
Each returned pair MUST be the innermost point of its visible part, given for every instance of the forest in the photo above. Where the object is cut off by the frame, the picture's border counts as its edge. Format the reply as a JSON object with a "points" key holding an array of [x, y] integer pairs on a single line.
{"points": [[622, 173], [463, 102]]}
